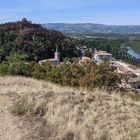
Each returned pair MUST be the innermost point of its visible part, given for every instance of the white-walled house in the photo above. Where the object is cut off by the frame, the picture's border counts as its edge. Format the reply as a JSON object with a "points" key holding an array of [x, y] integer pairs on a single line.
{"points": [[101, 56]]}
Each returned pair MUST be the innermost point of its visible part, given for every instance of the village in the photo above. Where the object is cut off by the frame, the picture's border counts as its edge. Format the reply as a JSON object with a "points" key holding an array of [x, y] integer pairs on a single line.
{"points": [[130, 74]]}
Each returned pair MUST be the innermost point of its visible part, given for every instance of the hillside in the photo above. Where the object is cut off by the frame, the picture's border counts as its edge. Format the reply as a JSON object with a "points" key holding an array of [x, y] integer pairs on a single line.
{"points": [[35, 110], [32, 40], [89, 28]]}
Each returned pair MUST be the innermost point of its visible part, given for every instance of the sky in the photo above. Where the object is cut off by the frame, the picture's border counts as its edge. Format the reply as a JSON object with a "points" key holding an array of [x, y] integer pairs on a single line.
{"points": [[110, 12]]}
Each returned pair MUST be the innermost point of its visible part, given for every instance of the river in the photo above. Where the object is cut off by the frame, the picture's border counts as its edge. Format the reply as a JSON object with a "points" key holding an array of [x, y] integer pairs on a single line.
{"points": [[133, 53]]}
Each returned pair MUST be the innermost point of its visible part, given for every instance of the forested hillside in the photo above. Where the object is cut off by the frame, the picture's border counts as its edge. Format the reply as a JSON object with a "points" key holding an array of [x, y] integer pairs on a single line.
{"points": [[33, 41]]}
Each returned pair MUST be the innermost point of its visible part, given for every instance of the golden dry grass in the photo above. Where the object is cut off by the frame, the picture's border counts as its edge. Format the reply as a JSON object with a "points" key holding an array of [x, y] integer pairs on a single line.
{"points": [[62, 113]]}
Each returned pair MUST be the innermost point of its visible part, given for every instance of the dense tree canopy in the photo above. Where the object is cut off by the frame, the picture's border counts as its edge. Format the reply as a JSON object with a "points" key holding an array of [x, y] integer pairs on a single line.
{"points": [[33, 40]]}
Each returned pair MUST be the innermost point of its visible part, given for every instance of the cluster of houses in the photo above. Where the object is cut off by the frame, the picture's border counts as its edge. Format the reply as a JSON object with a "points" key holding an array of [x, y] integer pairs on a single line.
{"points": [[130, 73]]}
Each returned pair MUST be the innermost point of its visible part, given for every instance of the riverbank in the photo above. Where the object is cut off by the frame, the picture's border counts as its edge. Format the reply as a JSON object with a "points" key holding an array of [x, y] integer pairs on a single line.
{"points": [[133, 53]]}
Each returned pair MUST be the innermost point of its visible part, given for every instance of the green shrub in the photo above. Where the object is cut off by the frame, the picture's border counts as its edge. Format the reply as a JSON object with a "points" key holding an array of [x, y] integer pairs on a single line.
{"points": [[15, 65], [137, 97], [41, 71], [19, 69], [55, 75], [4, 69], [38, 72], [21, 108]]}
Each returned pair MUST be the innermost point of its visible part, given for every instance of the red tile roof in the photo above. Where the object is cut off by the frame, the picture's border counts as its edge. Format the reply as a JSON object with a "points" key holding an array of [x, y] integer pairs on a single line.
{"points": [[85, 58], [124, 69], [103, 53]]}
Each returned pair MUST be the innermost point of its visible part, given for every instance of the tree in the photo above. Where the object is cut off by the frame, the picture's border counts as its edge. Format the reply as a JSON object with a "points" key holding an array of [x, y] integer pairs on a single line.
{"points": [[15, 58]]}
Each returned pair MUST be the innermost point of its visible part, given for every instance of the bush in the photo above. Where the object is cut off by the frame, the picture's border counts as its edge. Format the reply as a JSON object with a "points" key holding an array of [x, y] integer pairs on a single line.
{"points": [[41, 71], [15, 65], [71, 74], [89, 75], [4, 69], [136, 97], [21, 108], [19, 69], [99, 76], [38, 72], [55, 75]]}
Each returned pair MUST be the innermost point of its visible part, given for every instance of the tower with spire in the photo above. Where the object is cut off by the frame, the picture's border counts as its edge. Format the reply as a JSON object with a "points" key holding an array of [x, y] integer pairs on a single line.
{"points": [[57, 55], [55, 60]]}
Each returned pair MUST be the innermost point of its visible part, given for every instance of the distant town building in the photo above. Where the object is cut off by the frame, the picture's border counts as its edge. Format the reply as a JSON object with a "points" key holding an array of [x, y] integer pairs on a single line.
{"points": [[125, 68], [137, 72], [134, 83], [101, 56], [84, 60], [55, 60], [134, 69], [125, 72]]}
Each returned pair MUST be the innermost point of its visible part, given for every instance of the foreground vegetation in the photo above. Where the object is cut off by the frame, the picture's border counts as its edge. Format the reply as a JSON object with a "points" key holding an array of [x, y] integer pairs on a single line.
{"points": [[89, 75], [52, 112]]}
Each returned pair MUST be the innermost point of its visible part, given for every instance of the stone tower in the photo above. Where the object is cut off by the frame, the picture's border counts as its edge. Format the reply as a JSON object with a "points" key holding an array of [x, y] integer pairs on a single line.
{"points": [[57, 54]]}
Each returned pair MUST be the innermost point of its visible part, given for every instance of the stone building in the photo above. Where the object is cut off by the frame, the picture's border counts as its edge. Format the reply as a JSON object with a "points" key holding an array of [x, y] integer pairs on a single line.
{"points": [[101, 56]]}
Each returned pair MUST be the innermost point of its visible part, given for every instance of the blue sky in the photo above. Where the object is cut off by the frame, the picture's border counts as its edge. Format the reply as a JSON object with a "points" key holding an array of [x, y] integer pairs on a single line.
{"points": [[117, 12]]}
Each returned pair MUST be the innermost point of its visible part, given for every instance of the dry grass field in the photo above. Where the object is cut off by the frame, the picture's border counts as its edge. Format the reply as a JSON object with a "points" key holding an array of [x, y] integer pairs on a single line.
{"points": [[35, 110]]}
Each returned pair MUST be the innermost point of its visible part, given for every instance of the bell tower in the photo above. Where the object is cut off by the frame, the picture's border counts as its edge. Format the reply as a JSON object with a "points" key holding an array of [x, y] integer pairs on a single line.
{"points": [[57, 54]]}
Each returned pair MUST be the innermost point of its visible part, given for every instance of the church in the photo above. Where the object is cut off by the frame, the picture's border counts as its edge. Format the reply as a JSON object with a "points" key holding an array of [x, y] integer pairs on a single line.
{"points": [[55, 60]]}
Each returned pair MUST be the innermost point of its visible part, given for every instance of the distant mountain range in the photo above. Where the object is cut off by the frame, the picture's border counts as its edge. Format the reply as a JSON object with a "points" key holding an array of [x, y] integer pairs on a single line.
{"points": [[89, 28]]}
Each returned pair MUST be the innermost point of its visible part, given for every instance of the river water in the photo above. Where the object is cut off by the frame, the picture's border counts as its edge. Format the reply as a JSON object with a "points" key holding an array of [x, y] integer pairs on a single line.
{"points": [[133, 53]]}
